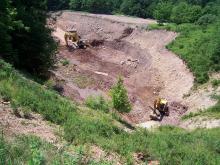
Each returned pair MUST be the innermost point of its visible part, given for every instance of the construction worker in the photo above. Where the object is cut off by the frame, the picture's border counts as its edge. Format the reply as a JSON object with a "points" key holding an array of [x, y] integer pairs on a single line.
{"points": [[160, 109]]}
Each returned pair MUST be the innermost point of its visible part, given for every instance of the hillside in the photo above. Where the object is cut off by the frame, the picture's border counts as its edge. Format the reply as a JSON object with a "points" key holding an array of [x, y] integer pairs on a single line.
{"points": [[85, 127], [66, 103]]}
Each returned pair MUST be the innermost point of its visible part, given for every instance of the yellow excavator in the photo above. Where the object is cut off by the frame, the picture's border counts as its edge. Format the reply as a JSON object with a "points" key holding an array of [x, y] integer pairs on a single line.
{"points": [[160, 109], [73, 36]]}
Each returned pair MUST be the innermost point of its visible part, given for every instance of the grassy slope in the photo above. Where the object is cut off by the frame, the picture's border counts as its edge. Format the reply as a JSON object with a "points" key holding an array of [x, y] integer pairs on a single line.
{"points": [[33, 151], [195, 46], [85, 126]]}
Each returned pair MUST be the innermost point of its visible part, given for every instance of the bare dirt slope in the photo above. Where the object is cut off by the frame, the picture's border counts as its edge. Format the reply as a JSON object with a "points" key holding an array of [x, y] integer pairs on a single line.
{"points": [[35, 125], [200, 122], [121, 46]]}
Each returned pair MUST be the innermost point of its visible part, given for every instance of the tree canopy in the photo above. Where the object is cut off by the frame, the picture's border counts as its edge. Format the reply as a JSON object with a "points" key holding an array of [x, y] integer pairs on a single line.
{"points": [[25, 40]]}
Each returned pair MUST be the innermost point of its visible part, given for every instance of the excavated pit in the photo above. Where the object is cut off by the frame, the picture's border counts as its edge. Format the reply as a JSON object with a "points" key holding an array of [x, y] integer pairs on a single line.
{"points": [[119, 49]]}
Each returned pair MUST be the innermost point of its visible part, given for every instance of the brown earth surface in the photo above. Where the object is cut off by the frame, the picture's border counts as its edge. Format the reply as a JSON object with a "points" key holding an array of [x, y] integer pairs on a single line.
{"points": [[122, 46], [12, 125]]}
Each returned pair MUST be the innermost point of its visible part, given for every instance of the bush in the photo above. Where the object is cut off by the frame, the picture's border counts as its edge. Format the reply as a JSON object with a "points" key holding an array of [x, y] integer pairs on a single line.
{"points": [[120, 97], [185, 13], [95, 6], [215, 83], [57, 4], [75, 4], [163, 11], [97, 103], [206, 19], [65, 62]]}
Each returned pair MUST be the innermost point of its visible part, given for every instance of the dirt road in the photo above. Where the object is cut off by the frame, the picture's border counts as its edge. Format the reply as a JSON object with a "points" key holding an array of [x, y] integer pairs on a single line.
{"points": [[122, 46]]}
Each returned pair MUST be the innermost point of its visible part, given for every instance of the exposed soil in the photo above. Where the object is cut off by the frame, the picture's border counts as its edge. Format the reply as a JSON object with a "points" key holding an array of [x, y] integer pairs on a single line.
{"points": [[14, 125], [200, 122], [121, 46]]}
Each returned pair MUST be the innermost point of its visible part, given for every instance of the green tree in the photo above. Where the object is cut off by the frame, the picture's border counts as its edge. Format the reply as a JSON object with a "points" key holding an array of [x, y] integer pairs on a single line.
{"points": [[75, 4], [57, 4], [34, 45], [120, 97], [185, 13], [163, 11], [94, 6], [116, 5], [206, 19], [5, 18]]}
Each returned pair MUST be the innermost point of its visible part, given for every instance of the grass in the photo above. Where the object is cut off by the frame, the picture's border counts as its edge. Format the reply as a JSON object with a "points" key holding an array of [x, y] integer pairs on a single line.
{"points": [[33, 151], [83, 126], [196, 45], [83, 81], [215, 83], [98, 103]]}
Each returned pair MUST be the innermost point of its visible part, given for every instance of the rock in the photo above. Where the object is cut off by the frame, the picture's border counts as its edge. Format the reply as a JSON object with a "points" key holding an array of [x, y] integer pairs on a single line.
{"points": [[6, 102], [122, 62]]}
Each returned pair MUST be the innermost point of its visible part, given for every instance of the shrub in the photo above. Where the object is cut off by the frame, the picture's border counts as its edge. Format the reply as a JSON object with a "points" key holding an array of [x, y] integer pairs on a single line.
{"points": [[75, 4], [65, 62], [120, 97], [97, 103], [57, 4], [163, 11], [185, 13], [215, 83], [206, 19]]}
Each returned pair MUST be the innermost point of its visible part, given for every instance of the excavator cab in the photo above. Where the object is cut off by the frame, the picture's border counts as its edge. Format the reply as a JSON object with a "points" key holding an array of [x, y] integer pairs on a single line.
{"points": [[72, 35], [160, 109]]}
